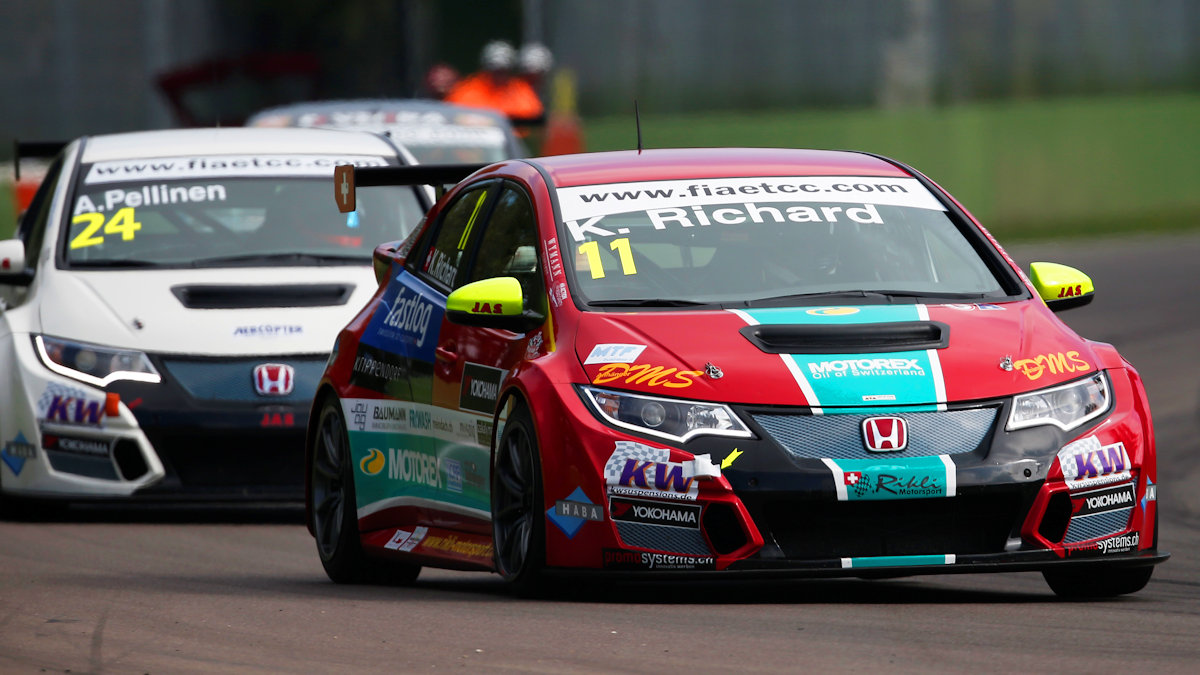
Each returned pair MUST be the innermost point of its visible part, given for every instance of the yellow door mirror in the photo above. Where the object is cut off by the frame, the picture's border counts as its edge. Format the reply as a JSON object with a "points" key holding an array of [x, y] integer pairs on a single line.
{"points": [[492, 303], [1061, 287]]}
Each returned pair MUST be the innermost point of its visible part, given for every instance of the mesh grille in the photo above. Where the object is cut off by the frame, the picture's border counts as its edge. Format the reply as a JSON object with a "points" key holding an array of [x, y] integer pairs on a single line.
{"points": [[1097, 525], [663, 538], [840, 436]]}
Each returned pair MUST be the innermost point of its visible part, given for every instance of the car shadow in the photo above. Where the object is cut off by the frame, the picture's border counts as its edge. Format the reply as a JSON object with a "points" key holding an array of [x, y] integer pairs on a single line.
{"points": [[209, 513]]}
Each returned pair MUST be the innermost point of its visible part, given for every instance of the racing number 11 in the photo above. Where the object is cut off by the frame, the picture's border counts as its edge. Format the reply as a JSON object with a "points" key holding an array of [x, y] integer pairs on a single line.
{"points": [[591, 249]]}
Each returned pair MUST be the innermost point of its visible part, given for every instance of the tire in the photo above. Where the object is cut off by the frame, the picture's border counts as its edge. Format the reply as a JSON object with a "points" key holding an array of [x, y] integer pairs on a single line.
{"points": [[335, 513], [518, 524], [1097, 582]]}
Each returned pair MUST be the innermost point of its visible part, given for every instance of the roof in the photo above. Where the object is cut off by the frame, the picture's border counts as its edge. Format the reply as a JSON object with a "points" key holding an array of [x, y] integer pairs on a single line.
{"points": [[685, 163], [274, 115], [234, 141]]}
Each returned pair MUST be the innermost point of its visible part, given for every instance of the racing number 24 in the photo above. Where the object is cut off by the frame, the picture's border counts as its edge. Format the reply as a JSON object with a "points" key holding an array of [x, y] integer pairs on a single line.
{"points": [[121, 223], [591, 249]]}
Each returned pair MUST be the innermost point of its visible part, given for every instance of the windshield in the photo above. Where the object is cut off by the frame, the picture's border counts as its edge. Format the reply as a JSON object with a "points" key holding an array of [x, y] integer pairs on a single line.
{"points": [[765, 239], [229, 211]]}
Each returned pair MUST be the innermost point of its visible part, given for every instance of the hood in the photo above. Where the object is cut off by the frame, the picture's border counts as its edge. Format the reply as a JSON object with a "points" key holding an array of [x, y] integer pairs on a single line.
{"points": [[837, 357], [215, 312]]}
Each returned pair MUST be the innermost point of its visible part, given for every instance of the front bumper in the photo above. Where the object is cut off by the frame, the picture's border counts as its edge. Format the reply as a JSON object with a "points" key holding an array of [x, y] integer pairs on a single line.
{"points": [[979, 499], [200, 434]]}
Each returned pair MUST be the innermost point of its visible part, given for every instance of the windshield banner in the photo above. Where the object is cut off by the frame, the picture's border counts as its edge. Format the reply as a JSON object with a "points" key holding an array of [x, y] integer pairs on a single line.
{"points": [[170, 168], [590, 201]]}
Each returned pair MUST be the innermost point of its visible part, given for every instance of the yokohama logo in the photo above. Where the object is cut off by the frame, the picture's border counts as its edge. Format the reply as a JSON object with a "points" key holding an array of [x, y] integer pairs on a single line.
{"points": [[274, 379], [885, 434]]}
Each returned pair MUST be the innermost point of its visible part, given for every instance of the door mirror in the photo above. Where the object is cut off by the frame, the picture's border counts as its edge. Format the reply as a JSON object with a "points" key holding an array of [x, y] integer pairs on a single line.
{"points": [[492, 303], [1061, 287], [12, 263]]}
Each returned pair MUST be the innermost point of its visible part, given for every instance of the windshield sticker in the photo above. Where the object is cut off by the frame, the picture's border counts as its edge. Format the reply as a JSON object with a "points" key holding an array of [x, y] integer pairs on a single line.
{"points": [[176, 168], [448, 135], [910, 378], [672, 201], [151, 195], [122, 223]]}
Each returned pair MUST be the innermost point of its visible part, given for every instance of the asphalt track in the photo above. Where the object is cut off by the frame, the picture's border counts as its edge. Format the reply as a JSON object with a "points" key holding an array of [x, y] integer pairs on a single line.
{"points": [[178, 591]]}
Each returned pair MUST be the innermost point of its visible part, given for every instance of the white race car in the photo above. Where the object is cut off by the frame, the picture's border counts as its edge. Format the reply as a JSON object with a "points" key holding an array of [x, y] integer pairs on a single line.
{"points": [[169, 304]]}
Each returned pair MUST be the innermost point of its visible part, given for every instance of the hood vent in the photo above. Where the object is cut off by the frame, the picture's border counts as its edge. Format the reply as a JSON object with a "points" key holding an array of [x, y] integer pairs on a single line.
{"points": [[849, 338], [255, 297]]}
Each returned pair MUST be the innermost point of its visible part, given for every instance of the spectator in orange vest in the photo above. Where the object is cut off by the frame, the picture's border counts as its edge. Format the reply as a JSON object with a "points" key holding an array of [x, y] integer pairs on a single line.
{"points": [[496, 86]]}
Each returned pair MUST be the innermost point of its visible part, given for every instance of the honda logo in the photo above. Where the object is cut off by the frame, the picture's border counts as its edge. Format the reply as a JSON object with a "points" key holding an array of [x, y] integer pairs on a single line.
{"points": [[274, 379], [885, 434]]}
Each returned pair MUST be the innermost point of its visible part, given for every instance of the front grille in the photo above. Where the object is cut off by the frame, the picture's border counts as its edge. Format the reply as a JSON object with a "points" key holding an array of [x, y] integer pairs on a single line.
{"points": [[840, 436], [222, 379], [1097, 525], [682, 540], [807, 530]]}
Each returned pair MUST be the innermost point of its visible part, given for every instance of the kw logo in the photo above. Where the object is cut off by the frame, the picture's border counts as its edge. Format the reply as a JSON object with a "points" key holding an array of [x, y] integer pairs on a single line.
{"points": [[666, 476], [82, 412]]}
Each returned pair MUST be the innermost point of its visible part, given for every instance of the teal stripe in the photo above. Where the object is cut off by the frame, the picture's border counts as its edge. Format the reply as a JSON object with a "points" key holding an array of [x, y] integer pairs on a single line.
{"points": [[860, 379], [833, 315], [898, 561]]}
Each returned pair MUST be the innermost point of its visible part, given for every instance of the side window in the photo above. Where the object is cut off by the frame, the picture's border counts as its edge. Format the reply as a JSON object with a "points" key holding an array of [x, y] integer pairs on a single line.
{"points": [[32, 229], [509, 246], [458, 228]]}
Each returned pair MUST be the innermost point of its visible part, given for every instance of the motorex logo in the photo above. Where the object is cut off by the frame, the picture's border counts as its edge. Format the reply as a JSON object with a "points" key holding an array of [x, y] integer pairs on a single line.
{"points": [[861, 367]]}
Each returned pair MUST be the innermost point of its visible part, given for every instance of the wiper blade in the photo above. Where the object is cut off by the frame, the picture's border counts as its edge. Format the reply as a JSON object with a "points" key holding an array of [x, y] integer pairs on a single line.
{"points": [[646, 302], [113, 263], [882, 295], [279, 259]]}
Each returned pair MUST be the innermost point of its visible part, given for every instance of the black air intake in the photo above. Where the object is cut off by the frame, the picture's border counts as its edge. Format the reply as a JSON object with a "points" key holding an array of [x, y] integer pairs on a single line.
{"points": [[849, 338], [252, 297]]}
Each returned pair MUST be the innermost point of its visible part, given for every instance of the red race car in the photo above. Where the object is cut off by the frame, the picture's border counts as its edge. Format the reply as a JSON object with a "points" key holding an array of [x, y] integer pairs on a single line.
{"points": [[718, 361]]}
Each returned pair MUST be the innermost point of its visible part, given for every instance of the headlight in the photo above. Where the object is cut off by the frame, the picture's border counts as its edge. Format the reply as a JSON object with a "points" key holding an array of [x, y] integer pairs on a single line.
{"points": [[1066, 406], [94, 364], [670, 418]]}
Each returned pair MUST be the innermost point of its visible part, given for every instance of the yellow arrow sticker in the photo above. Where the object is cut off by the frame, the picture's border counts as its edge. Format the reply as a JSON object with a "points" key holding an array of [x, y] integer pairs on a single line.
{"points": [[729, 459]]}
